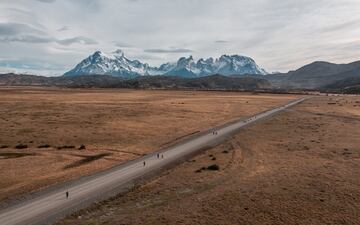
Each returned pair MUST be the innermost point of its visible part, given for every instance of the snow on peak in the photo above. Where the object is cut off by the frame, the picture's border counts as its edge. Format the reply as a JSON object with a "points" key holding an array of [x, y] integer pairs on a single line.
{"points": [[117, 64]]}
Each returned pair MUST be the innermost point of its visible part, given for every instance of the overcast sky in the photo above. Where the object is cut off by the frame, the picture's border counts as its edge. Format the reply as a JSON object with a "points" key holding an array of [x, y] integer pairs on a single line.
{"points": [[51, 36]]}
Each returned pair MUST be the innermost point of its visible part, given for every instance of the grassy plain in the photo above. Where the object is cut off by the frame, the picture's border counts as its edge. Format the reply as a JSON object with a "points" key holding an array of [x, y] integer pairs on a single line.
{"points": [[299, 167], [43, 129]]}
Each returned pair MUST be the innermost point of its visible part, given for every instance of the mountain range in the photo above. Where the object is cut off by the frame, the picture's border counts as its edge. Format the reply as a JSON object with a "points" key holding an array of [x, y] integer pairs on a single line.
{"points": [[115, 70], [213, 82], [117, 64]]}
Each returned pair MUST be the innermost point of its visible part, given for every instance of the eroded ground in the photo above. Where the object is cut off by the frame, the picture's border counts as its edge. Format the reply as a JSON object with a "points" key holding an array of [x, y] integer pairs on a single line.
{"points": [[299, 167], [42, 130]]}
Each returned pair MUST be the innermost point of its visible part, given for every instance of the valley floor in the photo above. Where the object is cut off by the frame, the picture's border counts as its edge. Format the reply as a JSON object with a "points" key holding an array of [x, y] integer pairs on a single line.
{"points": [[43, 129], [299, 167]]}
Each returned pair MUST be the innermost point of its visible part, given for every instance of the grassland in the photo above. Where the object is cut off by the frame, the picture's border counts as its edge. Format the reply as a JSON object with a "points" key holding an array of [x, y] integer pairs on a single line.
{"points": [[49, 136], [299, 167]]}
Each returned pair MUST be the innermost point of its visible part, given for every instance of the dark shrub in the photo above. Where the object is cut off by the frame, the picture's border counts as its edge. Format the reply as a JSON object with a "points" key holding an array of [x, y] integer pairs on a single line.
{"points": [[82, 147], [66, 147], [44, 146], [4, 146], [21, 146], [213, 167]]}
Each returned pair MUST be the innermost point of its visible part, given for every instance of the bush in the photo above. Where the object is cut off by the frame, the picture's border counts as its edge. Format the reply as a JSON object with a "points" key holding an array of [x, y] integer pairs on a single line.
{"points": [[21, 146], [213, 167], [66, 147], [4, 146], [82, 147], [44, 146]]}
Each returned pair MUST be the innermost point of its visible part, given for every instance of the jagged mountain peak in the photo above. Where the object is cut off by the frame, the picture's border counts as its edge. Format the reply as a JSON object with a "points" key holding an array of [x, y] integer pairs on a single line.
{"points": [[117, 64]]}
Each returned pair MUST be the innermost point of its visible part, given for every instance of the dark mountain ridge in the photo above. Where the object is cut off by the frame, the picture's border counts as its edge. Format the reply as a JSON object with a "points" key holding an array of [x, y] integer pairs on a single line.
{"points": [[214, 82]]}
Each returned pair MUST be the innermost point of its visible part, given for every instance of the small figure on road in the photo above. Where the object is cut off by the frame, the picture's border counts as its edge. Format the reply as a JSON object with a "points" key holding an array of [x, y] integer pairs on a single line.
{"points": [[67, 194], [158, 155], [162, 156], [144, 163]]}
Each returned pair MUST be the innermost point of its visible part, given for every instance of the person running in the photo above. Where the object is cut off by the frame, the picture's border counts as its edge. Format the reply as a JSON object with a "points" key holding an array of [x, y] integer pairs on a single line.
{"points": [[158, 155], [67, 194], [162, 156], [144, 163]]}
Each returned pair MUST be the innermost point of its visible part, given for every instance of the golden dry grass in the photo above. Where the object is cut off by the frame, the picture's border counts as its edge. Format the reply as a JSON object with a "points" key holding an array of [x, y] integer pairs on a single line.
{"points": [[114, 125], [300, 167]]}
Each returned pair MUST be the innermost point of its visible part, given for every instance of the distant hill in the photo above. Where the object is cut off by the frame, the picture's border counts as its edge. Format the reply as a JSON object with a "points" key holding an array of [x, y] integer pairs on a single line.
{"points": [[348, 85], [315, 75], [214, 82], [32, 80]]}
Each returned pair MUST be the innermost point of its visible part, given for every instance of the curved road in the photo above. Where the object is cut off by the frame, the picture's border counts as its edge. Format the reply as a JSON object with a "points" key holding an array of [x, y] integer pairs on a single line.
{"points": [[53, 205]]}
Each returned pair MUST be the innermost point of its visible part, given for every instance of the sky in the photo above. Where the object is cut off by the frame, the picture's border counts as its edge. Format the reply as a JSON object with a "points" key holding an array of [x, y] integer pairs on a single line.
{"points": [[49, 37]]}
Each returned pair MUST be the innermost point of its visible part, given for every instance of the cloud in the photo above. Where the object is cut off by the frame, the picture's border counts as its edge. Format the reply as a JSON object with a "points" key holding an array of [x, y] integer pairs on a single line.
{"points": [[122, 44], [18, 32], [77, 40], [46, 1], [17, 28], [64, 28], [221, 41], [23, 65], [171, 50], [27, 39]]}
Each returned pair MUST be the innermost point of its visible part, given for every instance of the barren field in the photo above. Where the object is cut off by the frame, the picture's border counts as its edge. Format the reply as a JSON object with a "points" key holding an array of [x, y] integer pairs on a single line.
{"points": [[299, 167], [49, 136]]}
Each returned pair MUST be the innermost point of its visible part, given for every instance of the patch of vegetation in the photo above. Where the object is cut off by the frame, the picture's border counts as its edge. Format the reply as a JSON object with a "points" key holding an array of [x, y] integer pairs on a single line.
{"points": [[21, 146], [66, 147], [4, 146], [213, 167], [225, 152], [10, 155], [82, 147], [44, 146]]}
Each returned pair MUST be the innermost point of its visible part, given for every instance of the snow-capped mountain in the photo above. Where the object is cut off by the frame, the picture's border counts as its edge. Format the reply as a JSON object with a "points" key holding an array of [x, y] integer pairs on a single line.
{"points": [[225, 65], [116, 64]]}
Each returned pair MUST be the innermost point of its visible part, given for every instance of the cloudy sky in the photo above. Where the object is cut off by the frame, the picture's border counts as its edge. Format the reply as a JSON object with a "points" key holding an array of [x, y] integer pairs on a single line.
{"points": [[50, 36]]}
